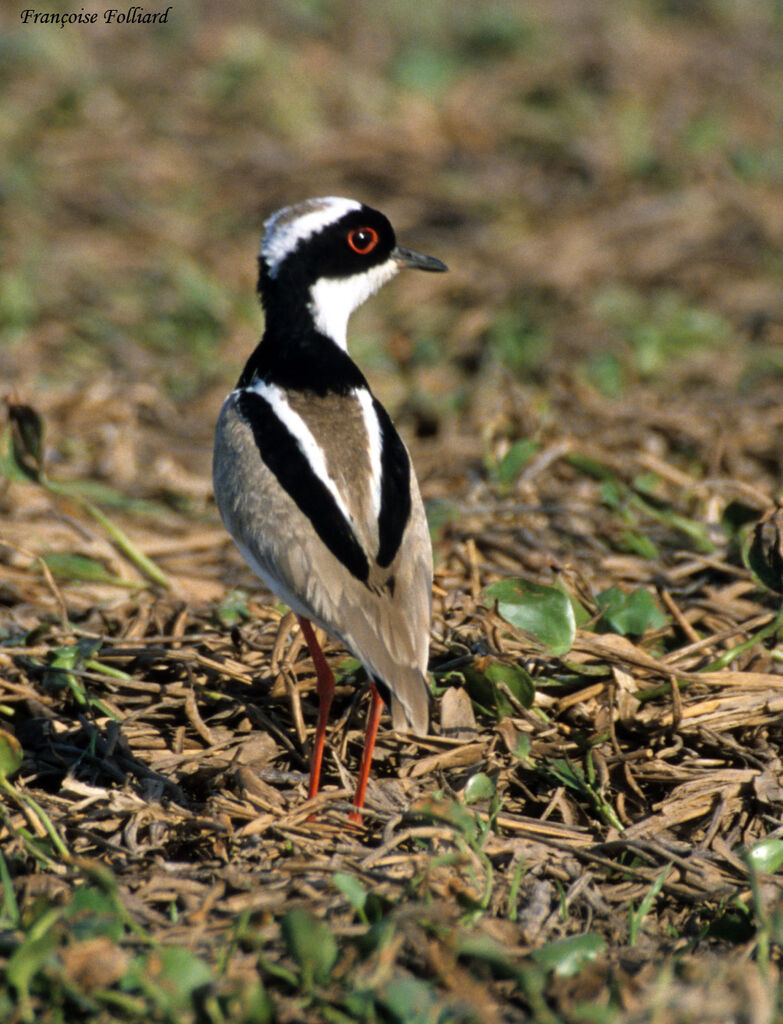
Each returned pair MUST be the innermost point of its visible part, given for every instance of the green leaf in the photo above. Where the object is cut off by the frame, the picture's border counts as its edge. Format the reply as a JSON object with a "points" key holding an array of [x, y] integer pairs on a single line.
{"points": [[408, 1000], [766, 855], [170, 976], [482, 947], [67, 565], [252, 1005], [636, 917], [479, 787], [566, 957], [629, 613], [542, 611], [11, 755], [310, 944], [93, 912], [516, 680], [9, 912], [28, 959], [489, 685], [508, 468], [639, 544], [233, 608], [353, 890]]}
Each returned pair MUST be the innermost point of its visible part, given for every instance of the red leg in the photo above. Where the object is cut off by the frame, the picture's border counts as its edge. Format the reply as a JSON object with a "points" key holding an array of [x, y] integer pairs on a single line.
{"points": [[373, 719], [325, 681]]}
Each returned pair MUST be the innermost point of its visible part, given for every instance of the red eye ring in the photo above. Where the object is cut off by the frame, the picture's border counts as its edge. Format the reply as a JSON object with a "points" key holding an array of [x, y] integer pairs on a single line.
{"points": [[363, 240]]}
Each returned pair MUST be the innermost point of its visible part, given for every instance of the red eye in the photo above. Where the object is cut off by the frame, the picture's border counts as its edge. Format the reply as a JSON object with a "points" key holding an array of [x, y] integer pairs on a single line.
{"points": [[363, 240]]}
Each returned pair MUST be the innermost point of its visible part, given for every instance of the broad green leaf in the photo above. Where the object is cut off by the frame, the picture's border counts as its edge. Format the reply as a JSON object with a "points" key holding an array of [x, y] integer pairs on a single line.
{"points": [[519, 683], [544, 612], [766, 855], [408, 1000], [11, 755], [93, 912], [566, 957], [479, 787], [487, 684], [348, 667], [353, 890], [310, 944], [633, 613], [507, 469], [171, 975], [252, 1005]]}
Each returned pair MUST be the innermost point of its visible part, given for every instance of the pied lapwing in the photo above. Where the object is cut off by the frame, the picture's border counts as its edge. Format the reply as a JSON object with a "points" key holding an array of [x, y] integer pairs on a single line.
{"points": [[311, 478]]}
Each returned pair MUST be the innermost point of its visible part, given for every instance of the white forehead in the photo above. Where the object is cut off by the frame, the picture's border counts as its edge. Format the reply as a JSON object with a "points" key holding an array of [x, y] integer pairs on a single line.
{"points": [[284, 230]]}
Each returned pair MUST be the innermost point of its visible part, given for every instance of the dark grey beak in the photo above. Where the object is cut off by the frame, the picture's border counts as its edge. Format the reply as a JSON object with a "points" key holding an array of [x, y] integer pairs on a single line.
{"points": [[417, 260]]}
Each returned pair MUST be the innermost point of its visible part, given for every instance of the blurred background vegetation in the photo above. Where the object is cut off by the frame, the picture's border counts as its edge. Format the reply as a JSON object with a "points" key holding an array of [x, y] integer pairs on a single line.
{"points": [[604, 180]]}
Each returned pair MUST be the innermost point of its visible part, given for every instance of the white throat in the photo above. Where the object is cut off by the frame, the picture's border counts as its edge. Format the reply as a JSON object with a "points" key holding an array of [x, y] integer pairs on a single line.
{"points": [[333, 299]]}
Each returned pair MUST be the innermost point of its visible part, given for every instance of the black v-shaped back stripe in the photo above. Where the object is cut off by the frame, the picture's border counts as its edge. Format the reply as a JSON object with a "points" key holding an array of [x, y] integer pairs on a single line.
{"points": [[281, 452]]}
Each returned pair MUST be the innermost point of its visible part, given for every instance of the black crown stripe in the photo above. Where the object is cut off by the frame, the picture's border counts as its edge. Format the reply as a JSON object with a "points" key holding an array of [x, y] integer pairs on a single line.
{"points": [[395, 489], [280, 451]]}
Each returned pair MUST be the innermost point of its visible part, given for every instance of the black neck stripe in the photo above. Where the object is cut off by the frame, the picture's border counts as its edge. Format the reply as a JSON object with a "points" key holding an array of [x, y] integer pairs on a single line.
{"points": [[395, 489], [280, 451]]}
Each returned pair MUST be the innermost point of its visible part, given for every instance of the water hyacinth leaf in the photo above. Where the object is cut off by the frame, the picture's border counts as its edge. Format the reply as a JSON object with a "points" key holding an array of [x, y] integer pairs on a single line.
{"points": [[479, 787], [632, 613], [27, 432], [766, 855], [310, 944], [542, 611], [566, 957], [11, 755]]}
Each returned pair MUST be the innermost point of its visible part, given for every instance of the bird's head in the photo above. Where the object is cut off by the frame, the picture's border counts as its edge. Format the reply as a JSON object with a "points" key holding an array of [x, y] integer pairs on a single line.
{"points": [[331, 254]]}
